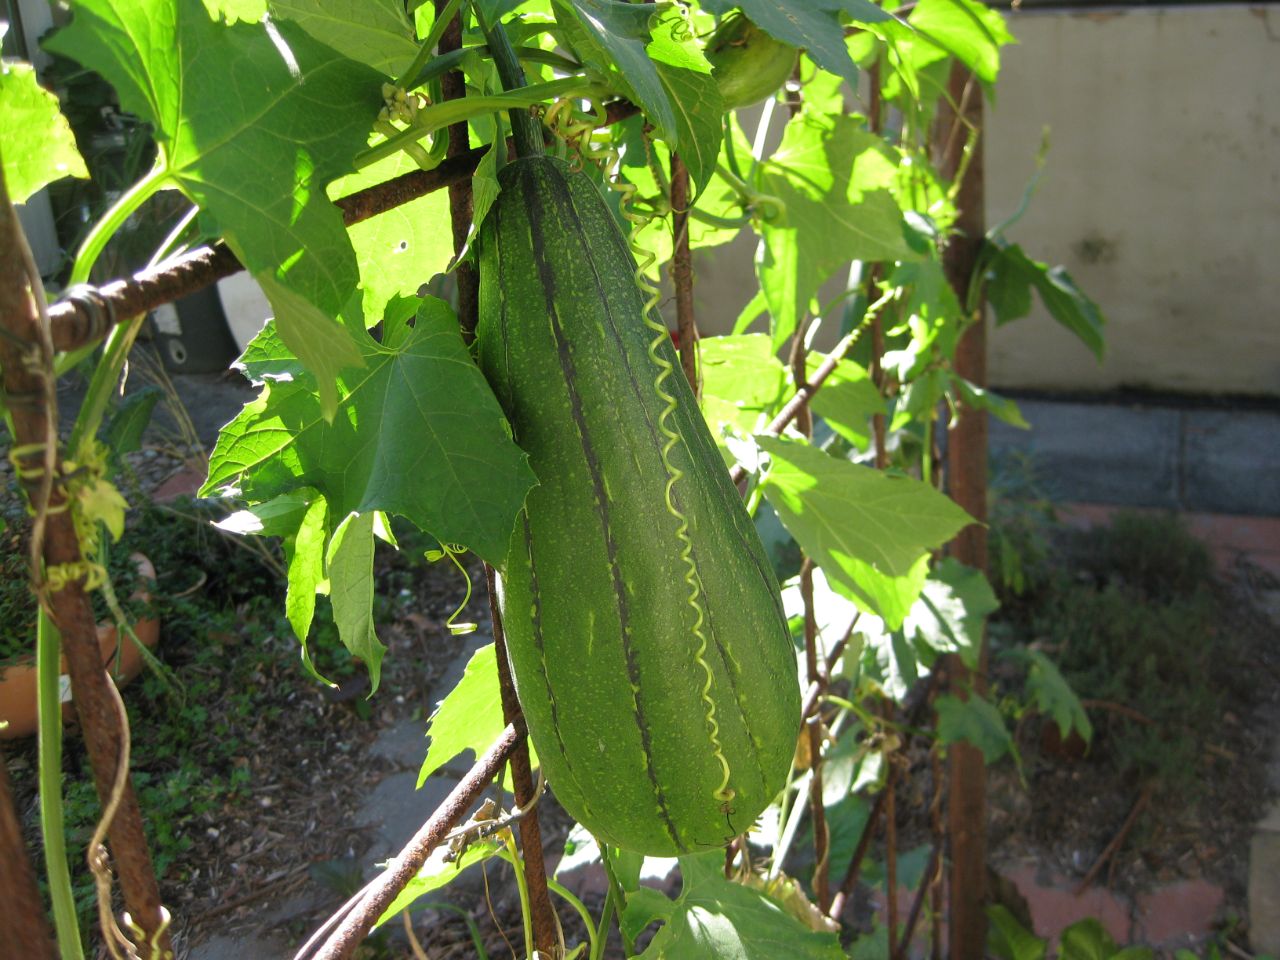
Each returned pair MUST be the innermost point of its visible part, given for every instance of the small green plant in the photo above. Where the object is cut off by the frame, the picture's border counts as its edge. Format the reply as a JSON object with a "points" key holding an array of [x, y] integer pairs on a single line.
{"points": [[1129, 613], [1087, 939]]}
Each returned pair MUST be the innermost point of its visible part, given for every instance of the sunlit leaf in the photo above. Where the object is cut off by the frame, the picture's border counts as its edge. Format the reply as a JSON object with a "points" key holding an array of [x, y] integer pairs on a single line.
{"points": [[253, 119], [375, 32], [859, 524], [441, 869], [349, 563], [715, 917], [952, 611], [826, 173], [418, 433], [39, 147]]}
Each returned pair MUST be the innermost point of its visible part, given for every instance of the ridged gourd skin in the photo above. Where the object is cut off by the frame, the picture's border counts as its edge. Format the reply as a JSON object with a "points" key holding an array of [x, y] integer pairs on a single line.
{"points": [[593, 595]]}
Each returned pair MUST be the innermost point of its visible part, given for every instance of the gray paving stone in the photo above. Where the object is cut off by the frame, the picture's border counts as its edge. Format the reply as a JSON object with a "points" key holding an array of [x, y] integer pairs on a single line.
{"points": [[404, 744], [1232, 462], [396, 809], [1099, 453]]}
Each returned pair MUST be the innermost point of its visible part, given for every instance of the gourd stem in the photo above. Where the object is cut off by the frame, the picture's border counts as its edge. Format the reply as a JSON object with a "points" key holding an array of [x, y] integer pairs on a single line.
{"points": [[524, 129]]}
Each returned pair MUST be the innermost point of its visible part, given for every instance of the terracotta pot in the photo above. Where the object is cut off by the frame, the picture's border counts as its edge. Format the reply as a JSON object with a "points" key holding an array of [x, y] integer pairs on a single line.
{"points": [[18, 680]]}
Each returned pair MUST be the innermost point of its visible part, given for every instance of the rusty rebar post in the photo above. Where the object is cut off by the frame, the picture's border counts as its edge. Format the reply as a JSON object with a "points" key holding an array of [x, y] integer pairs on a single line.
{"points": [[682, 271], [543, 916], [23, 929], [453, 85], [813, 730], [967, 479], [27, 364]]}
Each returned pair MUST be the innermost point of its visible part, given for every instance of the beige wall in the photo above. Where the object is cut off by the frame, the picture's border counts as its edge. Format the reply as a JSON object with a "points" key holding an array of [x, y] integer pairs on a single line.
{"points": [[1161, 194]]}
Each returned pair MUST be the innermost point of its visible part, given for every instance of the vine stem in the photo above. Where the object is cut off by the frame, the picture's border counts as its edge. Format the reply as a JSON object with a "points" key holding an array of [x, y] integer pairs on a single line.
{"points": [[49, 748], [522, 888], [114, 219], [545, 925], [682, 272]]}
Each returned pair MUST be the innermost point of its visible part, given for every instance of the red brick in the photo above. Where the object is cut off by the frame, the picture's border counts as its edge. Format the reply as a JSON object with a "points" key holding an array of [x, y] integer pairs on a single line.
{"points": [[1179, 915]]}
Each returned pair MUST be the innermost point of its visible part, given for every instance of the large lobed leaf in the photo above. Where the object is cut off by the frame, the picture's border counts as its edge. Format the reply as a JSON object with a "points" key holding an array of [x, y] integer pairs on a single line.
{"points": [[829, 174], [869, 531], [253, 120], [418, 433]]}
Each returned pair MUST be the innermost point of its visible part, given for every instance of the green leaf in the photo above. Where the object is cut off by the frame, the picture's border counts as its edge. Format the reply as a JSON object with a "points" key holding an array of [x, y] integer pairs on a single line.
{"points": [[715, 917], [969, 31], [1086, 940], [39, 147], [616, 35], [375, 32], [349, 561], [847, 401], [402, 248], [976, 721], [826, 173], [1010, 940], [893, 661], [1011, 275], [854, 521], [1002, 408], [469, 717], [439, 872], [325, 347], [697, 108], [952, 611], [253, 121], [418, 433], [813, 27], [743, 371], [305, 555], [1052, 695], [122, 433]]}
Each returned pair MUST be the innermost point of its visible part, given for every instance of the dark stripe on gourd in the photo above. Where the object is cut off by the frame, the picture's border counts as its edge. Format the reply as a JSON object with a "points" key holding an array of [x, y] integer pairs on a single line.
{"points": [[547, 276], [597, 611]]}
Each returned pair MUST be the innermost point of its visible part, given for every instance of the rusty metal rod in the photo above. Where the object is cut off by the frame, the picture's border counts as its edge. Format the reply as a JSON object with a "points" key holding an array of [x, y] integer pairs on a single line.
{"points": [[24, 931], [86, 314], [542, 914], [359, 919]]}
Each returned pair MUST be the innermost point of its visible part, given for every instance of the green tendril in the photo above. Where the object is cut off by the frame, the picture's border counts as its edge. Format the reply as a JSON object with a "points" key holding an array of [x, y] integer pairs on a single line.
{"points": [[451, 551]]}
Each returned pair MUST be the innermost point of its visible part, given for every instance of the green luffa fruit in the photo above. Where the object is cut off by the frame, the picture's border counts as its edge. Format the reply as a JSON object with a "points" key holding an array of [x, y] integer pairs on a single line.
{"points": [[647, 638], [748, 64]]}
